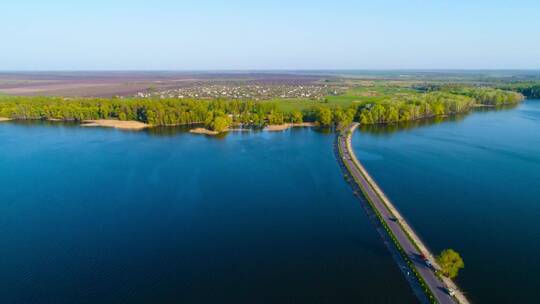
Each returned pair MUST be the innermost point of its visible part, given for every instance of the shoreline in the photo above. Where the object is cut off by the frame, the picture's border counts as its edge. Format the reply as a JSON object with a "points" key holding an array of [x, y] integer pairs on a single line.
{"points": [[286, 126], [117, 124], [205, 131], [269, 128], [137, 125]]}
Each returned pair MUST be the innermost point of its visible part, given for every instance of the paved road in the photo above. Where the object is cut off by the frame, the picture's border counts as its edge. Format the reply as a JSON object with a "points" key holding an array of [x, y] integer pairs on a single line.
{"points": [[435, 285]]}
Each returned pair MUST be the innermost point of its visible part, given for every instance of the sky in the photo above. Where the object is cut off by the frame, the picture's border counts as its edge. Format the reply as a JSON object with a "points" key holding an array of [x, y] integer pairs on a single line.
{"points": [[269, 35]]}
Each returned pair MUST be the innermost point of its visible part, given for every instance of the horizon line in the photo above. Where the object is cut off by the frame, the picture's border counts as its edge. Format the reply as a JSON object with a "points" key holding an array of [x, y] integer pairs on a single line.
{"points": [[280, 70]]}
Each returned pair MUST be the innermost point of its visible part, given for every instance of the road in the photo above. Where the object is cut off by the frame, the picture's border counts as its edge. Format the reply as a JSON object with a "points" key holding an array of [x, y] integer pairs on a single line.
{"points": [[395, 222]]}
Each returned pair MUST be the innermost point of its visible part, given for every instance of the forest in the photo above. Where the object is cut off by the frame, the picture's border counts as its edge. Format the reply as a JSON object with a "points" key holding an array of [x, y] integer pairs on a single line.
{"points": [[220, 114], [528, 89]]}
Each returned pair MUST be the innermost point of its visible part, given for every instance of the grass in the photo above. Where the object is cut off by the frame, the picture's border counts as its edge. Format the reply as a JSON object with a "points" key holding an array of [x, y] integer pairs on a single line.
{"points": [[355, 95]]}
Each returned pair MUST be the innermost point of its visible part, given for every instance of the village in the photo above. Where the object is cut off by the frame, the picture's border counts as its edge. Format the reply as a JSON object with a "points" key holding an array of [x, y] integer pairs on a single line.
{"points": [[244, 91]]}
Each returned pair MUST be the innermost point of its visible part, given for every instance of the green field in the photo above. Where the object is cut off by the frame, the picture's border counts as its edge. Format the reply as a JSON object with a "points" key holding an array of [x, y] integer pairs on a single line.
{"points": [[355, 96]]}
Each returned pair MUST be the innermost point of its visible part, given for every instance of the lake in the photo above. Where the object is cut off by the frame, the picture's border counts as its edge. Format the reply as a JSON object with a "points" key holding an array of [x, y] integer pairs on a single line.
{"points": [[163, 216], [92, 215], [472, 184]]}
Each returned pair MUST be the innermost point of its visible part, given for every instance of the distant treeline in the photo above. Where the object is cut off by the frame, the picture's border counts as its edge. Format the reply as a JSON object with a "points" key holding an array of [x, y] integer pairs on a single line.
{"points": [[220, 114], [528, 89], [482, 95], [490, 96]]}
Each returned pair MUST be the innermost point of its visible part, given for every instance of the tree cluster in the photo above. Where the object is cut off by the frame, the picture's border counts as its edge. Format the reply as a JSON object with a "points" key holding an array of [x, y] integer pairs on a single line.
{"points": [[450, 262], [414, 107], [215, 114], [220, 114], [490, 96]]}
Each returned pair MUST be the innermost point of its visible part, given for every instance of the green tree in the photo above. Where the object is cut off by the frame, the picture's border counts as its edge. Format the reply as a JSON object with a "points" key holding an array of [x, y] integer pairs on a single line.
{"points": [[297, 117], [438, 100], [392, 114], [378, 113], [275, 118], [450, 262], [324, 116], [366, 118], [220, 124]]}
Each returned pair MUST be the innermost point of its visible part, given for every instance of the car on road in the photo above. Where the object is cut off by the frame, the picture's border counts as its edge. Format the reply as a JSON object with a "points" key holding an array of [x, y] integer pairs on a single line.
{"points": [[450, 291], [426, 260]]}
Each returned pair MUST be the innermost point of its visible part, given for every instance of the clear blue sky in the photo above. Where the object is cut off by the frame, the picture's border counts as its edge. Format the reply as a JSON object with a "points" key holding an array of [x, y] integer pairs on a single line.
{"points": [[238, 34]]}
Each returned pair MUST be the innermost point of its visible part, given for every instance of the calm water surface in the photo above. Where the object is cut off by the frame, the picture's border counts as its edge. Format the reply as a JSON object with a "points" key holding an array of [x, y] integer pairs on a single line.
{"points": [[105, 216], [473, 185]]}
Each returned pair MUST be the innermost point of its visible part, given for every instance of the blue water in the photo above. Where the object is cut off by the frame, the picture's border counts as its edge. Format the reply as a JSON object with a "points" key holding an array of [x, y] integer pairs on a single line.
{"points": [[472, 184], [92, 215]]}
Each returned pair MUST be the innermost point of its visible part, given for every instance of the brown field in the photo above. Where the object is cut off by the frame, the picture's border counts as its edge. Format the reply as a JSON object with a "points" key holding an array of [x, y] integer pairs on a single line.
{"points": [[108, 84]]}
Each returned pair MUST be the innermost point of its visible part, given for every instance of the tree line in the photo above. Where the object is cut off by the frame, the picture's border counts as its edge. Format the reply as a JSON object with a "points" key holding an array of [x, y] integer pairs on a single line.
{"points": [[220, 114], [216, 114], [528, 89], [483, 95], [490, 96]]}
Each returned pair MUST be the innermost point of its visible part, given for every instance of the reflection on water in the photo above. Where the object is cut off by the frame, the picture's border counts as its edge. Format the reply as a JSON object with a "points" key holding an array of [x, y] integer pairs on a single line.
{"points": [[384, 129], [472, 186], [37, 122], [110, 216], [167, 131]]}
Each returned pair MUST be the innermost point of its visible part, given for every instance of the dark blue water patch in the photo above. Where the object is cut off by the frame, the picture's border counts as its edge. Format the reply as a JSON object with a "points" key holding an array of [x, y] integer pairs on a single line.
{"points": [[90, 215], [472, 185]]}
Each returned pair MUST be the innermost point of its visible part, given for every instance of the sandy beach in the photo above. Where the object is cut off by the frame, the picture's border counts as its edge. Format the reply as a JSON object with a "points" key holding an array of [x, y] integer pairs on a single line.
{"points": [[203, 131], [119, 124], [288, 125]]}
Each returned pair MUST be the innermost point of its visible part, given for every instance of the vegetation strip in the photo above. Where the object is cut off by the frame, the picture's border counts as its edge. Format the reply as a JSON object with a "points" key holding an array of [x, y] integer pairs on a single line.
{"points": [[381, 106]]}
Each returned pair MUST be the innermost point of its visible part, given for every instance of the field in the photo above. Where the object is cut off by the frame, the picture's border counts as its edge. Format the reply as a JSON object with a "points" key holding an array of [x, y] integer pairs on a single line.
{"points": [[290, 90], [127, 84], [357, 93]]}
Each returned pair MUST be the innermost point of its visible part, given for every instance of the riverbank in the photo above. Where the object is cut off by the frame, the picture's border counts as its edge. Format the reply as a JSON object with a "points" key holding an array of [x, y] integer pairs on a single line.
{"points": [[5, 119]]}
